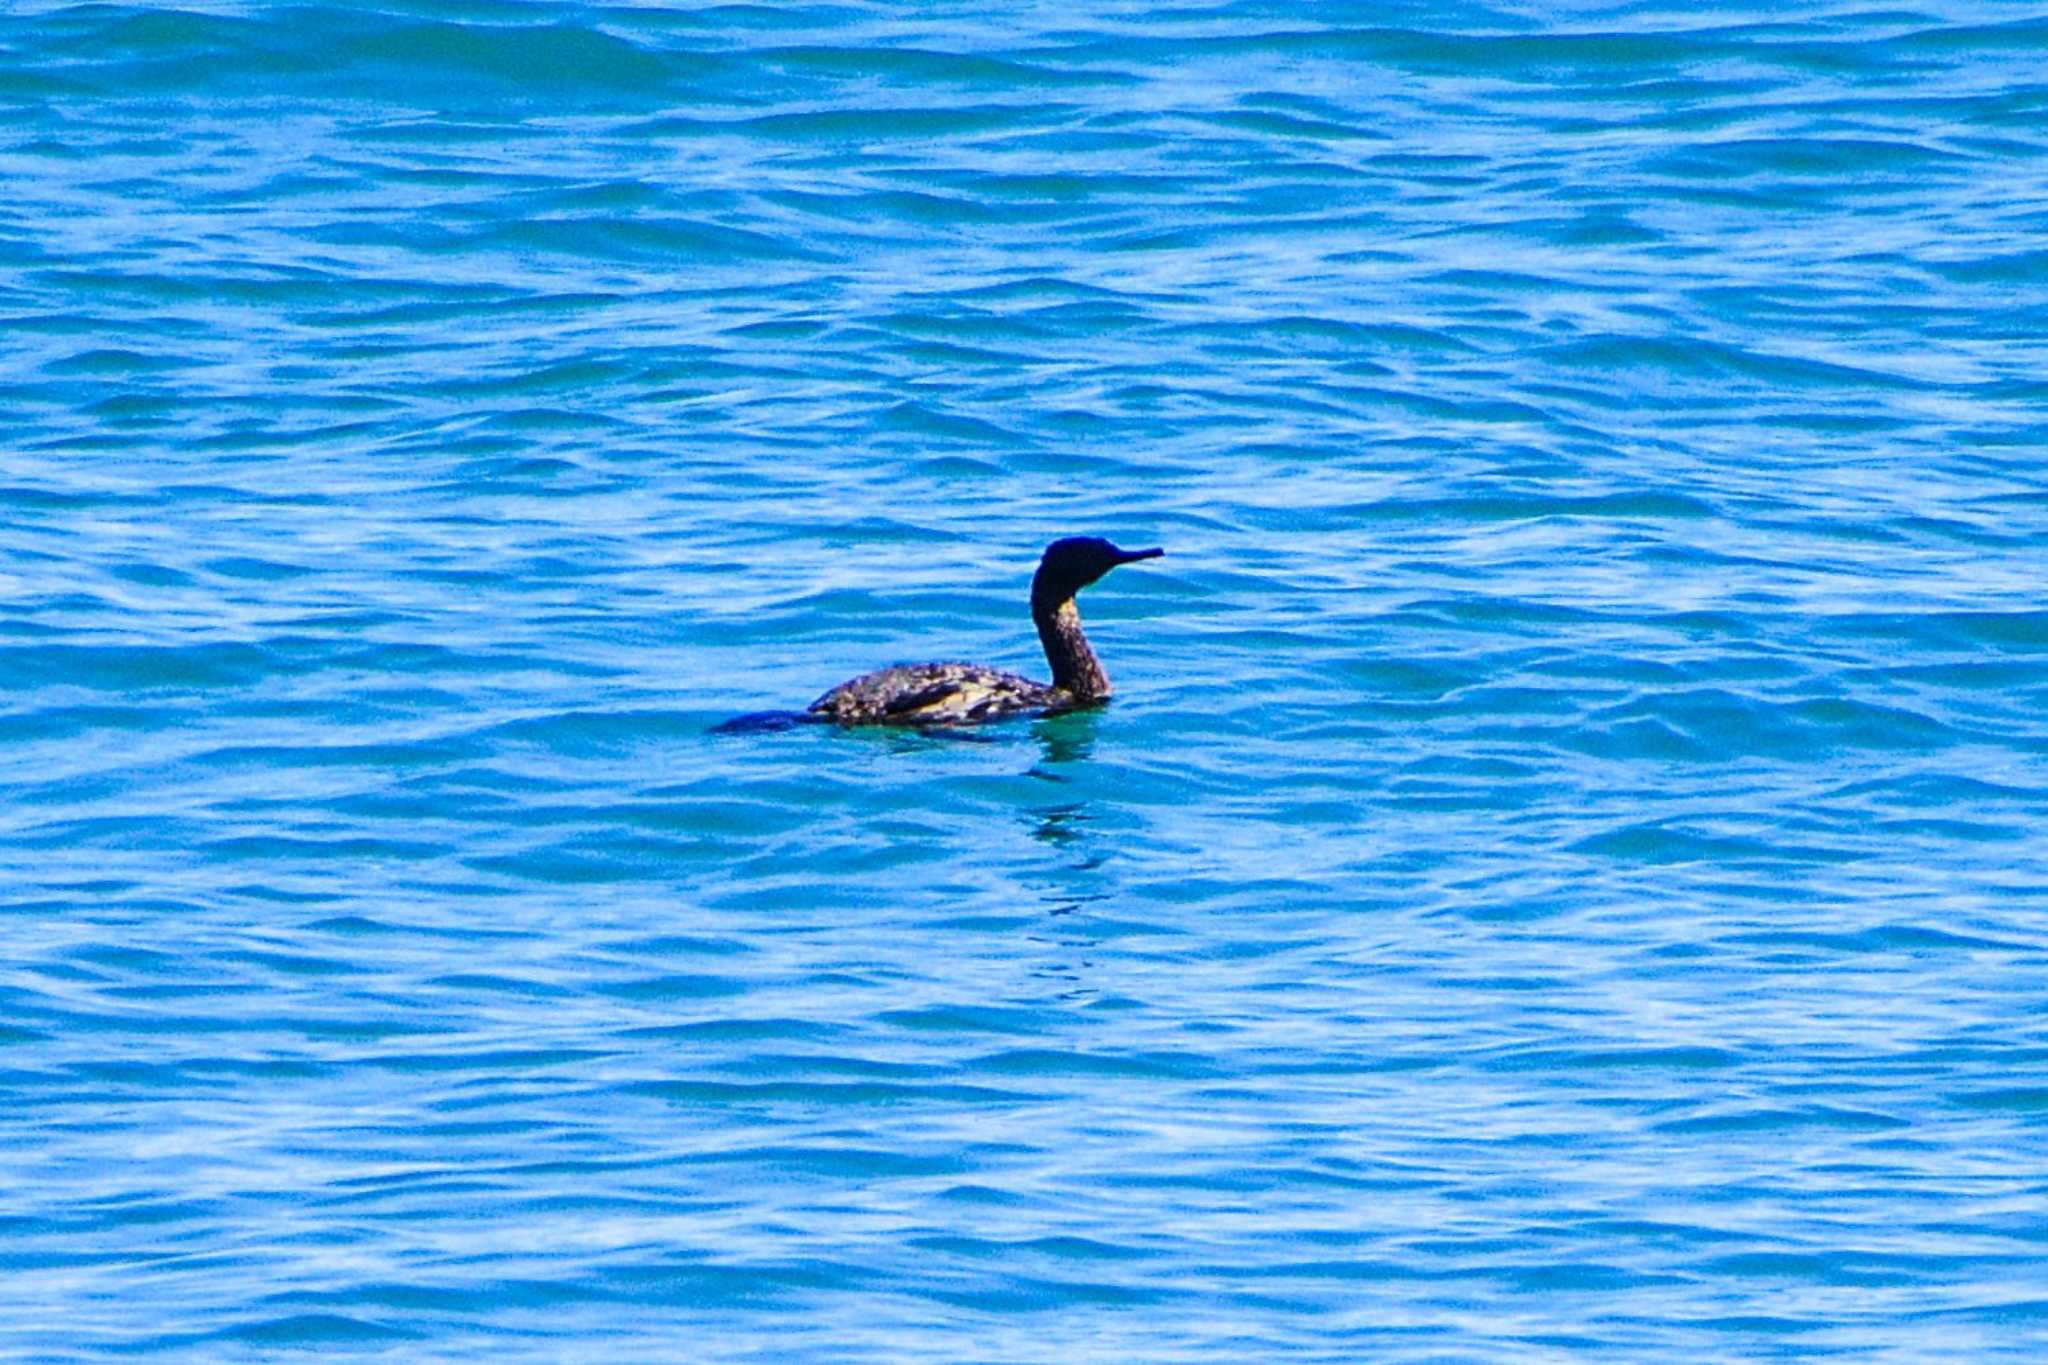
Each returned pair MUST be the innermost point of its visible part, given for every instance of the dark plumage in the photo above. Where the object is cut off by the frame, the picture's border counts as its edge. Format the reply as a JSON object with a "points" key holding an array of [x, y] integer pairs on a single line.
{"points": [[966, 694]]}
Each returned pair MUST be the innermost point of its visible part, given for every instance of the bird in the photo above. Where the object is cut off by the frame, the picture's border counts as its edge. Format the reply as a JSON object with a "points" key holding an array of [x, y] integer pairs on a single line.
{"points": [[954, 694]]}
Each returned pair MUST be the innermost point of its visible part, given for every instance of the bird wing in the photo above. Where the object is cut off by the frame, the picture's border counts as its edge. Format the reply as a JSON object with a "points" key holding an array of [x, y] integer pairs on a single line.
{"points": [[932, 696]]}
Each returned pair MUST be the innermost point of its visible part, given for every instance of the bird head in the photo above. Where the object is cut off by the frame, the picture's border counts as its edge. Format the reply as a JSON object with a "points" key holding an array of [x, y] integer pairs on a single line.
{"points": [[1072, 564]]}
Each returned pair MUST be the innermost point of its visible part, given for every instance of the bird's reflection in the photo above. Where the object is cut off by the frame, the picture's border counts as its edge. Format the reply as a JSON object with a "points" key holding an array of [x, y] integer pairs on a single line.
{"points": [[1066, 883], [1068, 738], [1073, 903], [1061, 824], [1063, 740], [1071, 878]]}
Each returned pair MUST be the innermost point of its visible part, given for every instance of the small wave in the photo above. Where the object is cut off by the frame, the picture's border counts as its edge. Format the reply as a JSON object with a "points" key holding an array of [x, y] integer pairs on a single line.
{"points": [[1658, 843], [1704, 359], [536, 59], [310, 1330], [607, 237], [920, 68], [1769, 1120]]}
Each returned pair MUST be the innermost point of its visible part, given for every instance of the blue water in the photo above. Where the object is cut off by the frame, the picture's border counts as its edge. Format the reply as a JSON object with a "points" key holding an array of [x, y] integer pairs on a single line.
{"points": [[1563, 874]]}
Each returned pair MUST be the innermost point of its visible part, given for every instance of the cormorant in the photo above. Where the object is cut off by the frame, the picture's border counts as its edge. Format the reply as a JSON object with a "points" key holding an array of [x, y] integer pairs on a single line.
{"points": [[965, 694]]}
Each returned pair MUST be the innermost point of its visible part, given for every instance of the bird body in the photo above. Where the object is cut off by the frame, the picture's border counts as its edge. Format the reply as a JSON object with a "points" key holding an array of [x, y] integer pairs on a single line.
{"points": [[936, 694], [947, 694]]}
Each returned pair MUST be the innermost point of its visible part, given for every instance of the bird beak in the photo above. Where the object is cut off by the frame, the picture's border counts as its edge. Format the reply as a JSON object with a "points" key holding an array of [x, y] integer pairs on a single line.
{"points": [[1131, 556]]}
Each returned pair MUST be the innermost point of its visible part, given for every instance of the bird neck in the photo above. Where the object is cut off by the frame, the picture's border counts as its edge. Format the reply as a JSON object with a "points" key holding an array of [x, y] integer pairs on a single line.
{"points": [[1075, 669]]}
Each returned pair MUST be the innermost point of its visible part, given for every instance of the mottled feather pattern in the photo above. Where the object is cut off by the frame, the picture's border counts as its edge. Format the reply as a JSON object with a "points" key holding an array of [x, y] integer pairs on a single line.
{"points": [[936, 694]]}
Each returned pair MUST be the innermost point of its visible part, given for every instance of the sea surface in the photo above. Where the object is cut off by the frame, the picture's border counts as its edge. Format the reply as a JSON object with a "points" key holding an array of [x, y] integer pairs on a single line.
{"points": [[1565, 872]]}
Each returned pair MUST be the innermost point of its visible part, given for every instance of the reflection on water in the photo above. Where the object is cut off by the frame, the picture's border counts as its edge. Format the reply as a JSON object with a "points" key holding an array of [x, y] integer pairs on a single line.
{"points": [[1060, 824], [1065, 738]]}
